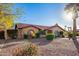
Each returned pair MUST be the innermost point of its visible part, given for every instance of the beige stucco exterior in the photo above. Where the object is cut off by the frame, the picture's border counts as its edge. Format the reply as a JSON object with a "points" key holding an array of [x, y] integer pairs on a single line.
{"points": [[58, 29], [54, 29], [25, 30]]}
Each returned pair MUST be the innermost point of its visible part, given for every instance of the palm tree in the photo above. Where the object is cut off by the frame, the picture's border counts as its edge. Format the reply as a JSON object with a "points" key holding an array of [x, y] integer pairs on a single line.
{"points": [[74, 9]]}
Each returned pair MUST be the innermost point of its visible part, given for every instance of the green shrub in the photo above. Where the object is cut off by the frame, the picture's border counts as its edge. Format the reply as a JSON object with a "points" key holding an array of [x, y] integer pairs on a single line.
{"points": [[42, 32], [70, 35], [27, 50], [50, 37], [25, 36], [77, 34], [33, 37], [61, 34], [37, 35]]}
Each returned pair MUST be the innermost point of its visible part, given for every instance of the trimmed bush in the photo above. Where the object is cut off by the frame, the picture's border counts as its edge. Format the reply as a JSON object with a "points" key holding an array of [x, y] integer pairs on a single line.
{"points": [[27, 50], [77, 34], [61, 34], [70, 35], [50, 37], [37, 35], [25, 36]]}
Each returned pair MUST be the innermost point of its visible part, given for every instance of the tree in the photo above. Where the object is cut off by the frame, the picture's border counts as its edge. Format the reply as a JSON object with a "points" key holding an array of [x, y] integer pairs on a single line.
{"points": [[73, 8], [7, 15]]}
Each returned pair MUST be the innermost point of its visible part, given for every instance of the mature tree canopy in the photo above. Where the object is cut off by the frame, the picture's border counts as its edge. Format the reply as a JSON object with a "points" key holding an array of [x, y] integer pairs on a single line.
{"points": [[73, 8], [7, 15], [70, 6]]}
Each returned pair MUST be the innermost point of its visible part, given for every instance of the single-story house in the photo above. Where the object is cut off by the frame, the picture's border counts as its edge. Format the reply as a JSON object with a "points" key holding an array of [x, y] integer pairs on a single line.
{"points": [[22, 29], [56, 30], [26, 28]]}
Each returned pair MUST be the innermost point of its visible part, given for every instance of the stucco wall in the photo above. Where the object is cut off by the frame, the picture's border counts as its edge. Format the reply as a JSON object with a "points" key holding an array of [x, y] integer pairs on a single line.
{"points": [[25, 30], [56, 29], [20, 34]]}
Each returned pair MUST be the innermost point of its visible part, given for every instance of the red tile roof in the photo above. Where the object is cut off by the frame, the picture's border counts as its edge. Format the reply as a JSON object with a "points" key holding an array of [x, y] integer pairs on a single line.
{"points": [[20, 25], [27, 25]]}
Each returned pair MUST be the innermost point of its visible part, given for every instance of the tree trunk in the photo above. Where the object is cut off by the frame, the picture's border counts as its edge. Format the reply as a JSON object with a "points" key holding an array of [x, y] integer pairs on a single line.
{"points": [[74, 29], [5, 34], [74, 35]]}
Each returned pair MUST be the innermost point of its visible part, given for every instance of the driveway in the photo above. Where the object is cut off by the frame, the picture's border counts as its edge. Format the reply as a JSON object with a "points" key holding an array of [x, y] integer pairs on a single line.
{"points": [[57, 47]]}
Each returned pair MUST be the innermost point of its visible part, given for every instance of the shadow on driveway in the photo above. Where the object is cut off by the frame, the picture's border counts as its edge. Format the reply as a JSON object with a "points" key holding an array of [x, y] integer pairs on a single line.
{"points": [[41, 41], [76, 44]]}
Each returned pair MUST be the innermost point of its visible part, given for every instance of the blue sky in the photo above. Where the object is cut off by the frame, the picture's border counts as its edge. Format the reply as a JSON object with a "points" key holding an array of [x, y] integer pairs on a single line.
{"points": [[42, 14]]}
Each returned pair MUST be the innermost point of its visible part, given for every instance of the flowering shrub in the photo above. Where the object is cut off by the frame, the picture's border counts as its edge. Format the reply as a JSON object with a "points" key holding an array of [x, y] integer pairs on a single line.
{"points": [[27, 50]]}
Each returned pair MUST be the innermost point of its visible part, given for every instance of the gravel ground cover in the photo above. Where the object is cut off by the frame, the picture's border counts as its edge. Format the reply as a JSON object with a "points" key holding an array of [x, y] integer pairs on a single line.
{"points": [[57, 47]]}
